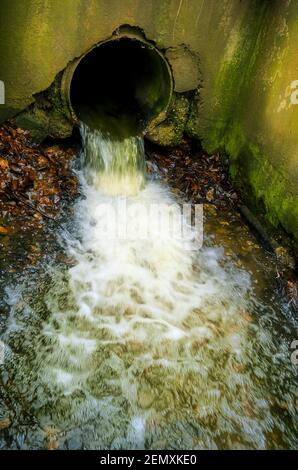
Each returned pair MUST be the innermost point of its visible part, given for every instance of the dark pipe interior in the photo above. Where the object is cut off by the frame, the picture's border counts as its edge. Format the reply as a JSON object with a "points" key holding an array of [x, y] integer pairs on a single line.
{"points": [[124, 80]]}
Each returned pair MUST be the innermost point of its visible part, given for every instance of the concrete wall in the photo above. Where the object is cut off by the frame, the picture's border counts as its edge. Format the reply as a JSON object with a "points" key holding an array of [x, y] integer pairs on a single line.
{"points": [[250, 108], [242, 56]]}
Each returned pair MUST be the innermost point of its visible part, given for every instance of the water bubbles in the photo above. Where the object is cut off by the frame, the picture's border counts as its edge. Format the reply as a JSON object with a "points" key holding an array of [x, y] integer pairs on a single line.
{"points": [[140, 343]]}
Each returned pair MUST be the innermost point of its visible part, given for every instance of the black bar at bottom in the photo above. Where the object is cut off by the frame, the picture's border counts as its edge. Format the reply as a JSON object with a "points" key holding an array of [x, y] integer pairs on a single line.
{"points": [[136, 459]]}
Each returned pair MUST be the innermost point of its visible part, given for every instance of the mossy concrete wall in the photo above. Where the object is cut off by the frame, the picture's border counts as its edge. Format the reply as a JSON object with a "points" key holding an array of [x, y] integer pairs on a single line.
{"points": [[235, 62], [249, 108]]}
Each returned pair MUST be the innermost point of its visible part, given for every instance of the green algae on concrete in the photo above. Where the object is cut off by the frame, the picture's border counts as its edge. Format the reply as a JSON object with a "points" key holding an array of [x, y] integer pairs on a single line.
{"points": [[39, 38], [260, 129], [46, 116], [249, 108], [170, 131]]}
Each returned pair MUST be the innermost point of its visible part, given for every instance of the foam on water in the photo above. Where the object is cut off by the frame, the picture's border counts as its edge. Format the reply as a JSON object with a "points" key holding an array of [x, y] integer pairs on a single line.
{"points": [[144, 342]]}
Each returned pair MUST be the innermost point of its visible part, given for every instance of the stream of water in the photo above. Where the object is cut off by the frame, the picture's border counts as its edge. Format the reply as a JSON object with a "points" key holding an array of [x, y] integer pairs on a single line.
{"points": [[143, 342]]}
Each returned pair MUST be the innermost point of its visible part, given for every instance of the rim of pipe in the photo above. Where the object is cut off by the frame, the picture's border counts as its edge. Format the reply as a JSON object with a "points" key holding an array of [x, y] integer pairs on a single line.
{"points": [[117, 35]]}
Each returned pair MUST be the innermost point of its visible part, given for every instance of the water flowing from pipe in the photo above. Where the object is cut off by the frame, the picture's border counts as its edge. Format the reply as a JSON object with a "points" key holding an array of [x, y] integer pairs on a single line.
{"points": [[144, 342], [113, 165]]}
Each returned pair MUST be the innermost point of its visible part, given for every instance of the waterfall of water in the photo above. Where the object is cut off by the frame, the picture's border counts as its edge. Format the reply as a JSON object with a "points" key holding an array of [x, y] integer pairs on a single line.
{"points": [[114, 166], [145, 320], [145, 342]]}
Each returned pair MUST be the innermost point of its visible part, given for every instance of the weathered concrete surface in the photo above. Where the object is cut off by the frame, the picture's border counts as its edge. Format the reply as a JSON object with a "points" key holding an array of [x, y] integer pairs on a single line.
{"points": [[39, 37], [249, 106], [171, 130], [241, 55]]}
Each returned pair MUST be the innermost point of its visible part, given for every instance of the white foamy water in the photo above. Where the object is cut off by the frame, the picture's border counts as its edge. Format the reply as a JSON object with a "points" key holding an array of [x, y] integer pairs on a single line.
{"points": [[143, 306], [143, 342], [112, 165]]}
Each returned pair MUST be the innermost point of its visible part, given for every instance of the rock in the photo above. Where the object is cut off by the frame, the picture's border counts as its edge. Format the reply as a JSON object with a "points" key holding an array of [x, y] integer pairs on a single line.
{"points": [[5, 423], [285, 257], [42, 123], [52, 444], [170, 132], [145, 398], [51, 441]]}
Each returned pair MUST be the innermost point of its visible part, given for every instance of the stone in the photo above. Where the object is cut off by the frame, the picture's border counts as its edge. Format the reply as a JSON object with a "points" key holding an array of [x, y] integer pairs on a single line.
{"points": [[170, 131]]}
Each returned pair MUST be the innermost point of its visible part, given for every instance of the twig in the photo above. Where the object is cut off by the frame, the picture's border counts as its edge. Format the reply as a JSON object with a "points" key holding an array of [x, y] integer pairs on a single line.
{"points": [[18, 197]]}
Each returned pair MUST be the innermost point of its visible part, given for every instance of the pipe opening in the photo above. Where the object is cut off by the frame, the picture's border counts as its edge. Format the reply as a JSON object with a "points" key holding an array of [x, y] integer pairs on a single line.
{"points": [[125, 80]]}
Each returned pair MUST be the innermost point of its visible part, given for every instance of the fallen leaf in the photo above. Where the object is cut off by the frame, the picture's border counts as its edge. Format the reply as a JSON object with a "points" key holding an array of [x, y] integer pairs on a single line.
{"points": [[3, 164], [5, 230], [210, 195]]}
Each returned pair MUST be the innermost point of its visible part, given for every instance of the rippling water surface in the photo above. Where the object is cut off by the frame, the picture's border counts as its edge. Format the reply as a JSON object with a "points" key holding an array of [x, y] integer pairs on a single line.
{"points": [[146, 343]]}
